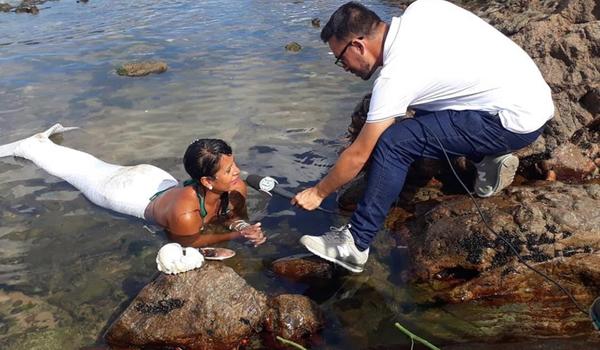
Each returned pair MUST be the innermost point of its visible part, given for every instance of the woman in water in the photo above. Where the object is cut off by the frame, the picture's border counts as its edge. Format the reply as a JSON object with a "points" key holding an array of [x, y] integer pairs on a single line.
{"points": [[215, 193]]}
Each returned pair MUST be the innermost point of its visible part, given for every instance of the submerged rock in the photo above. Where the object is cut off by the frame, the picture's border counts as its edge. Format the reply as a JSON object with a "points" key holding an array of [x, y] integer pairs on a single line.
{"points": [[138, 69], [209, 308], [315, 22], [303, 267], [32, 9], [292, 317], [293, 47]]}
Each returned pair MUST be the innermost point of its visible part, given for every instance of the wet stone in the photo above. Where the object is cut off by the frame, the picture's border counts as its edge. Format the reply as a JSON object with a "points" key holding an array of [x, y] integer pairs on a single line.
{"points": [[315, 22], [210, 308], [303, 267], [138, 69], [293, 317], [293, 47], [32, 9]]}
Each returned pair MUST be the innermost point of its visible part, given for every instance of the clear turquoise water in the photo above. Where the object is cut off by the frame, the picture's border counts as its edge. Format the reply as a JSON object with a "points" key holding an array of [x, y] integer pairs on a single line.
{"points": [[68, 267]]}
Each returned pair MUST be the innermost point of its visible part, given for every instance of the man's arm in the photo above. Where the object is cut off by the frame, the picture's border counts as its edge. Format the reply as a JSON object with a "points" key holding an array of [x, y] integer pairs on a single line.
{"points": [[347, 166]]}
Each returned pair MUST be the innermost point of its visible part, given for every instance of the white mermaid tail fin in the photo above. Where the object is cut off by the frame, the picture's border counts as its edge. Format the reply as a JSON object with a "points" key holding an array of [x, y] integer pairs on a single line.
{"points": [[57, 129], [9, 149]]}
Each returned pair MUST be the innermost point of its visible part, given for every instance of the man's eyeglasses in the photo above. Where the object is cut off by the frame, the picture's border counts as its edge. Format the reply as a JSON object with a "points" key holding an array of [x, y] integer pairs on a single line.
{"points": [[340, 60]]}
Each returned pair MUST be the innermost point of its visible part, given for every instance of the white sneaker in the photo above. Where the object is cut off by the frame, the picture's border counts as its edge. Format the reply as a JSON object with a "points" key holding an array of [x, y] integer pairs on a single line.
{"points": [[495, 174], [338, 247]]}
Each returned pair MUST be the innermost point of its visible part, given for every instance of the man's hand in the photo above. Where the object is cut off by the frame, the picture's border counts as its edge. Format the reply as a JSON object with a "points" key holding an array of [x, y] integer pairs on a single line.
{"points": [[309, 199], [254, 234]]}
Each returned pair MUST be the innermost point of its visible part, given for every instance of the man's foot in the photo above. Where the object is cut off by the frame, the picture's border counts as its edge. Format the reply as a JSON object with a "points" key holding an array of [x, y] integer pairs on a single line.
{"points": [[595, 313], [338, 247], [495, 174]]}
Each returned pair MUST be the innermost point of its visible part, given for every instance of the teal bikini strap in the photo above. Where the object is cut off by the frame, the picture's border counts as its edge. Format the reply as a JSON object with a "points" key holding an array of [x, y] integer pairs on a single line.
{"points": [[195, 183], [157, 194]]}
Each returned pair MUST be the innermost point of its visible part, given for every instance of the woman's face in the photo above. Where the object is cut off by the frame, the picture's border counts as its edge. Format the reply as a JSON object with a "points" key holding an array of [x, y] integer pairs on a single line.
{"points": [[227, 176]]}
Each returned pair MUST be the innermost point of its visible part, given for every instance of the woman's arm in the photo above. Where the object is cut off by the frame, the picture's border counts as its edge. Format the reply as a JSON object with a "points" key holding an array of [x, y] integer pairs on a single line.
{"points": [[203, 239], [239, 213]]}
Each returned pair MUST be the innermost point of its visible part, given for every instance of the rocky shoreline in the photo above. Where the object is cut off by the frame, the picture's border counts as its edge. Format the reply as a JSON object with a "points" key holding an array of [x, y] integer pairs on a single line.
{"points": [[550, 214]]}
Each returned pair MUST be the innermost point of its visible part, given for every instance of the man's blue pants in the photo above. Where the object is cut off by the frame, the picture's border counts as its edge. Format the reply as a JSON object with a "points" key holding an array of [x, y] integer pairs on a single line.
{"points": [[473, 134]]}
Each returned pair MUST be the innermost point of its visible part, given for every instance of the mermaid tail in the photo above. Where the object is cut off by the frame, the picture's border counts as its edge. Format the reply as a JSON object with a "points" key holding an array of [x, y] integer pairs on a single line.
{"points": [[10, 149], [124, 189]]}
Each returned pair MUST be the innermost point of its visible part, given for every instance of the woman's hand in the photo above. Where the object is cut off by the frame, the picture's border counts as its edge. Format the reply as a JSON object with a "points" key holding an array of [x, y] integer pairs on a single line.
{"points": [[254, 234]]}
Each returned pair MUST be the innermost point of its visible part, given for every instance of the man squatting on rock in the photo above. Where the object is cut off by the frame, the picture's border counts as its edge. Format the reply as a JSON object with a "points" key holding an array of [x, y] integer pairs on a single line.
{"points": [[469, 85]]}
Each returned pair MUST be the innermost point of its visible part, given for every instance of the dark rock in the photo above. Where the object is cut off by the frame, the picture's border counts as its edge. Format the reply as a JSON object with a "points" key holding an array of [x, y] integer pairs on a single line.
{"points": [[5, 7], [138, 69], [554, 228], [292, 317], [315, 22], [208, 308], [347, 196], [358, 117], [32, 9], [591, 101], [293, 47], [303, 267]]}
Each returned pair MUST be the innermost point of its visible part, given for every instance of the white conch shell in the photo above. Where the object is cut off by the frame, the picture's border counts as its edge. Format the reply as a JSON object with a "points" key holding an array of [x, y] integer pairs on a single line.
{"points": [[174, 259]]}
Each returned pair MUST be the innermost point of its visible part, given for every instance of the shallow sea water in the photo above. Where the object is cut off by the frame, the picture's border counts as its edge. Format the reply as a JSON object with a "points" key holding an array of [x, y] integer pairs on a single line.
{"points": [[67, 267]]}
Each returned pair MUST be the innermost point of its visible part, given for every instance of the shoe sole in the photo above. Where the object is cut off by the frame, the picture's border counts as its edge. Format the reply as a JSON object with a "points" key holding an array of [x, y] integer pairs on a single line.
{"points": [[349, 267], [507, 170]]}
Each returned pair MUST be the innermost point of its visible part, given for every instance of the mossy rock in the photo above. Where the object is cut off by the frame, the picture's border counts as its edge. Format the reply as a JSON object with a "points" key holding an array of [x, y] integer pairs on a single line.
{"points": [[293, 47], [138, 69]]}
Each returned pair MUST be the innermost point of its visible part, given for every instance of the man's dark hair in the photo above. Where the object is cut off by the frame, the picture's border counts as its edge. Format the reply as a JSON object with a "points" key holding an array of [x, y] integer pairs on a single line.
{"points": [[350, 18], [202, 157]]}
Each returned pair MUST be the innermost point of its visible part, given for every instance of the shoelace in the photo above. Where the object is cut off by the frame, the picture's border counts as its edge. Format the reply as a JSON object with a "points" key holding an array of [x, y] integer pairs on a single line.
{"points": [[336, 233]]}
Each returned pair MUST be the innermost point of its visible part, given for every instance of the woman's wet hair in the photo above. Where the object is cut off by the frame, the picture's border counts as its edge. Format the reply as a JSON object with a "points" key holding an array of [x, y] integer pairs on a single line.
{"points": [[350, 18], [202, 157]]}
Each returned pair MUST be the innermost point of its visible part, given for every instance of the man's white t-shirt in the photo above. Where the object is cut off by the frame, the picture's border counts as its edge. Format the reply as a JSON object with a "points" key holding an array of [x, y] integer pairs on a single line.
{"points": [[438, 56]]}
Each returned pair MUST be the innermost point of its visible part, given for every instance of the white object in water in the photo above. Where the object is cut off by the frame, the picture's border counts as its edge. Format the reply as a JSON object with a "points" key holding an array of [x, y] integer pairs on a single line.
{"points": [[172, 259]]}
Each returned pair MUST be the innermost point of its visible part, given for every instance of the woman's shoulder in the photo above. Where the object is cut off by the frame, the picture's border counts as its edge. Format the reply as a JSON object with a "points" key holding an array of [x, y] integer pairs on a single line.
{"points": [[175, 202], [184, 212], [183, 200]]}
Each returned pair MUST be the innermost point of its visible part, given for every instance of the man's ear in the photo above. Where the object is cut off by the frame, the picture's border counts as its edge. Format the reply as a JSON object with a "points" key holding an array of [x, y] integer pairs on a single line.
{"points": [[360, 45]]}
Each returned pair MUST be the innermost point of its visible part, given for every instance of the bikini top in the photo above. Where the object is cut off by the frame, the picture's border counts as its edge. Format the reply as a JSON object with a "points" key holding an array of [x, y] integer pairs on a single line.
{"points": [[223, 209]]}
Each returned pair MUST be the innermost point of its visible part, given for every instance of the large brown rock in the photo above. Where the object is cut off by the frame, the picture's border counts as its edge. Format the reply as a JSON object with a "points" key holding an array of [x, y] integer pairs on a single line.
{"points": [[210, 308], [554, 228]]}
